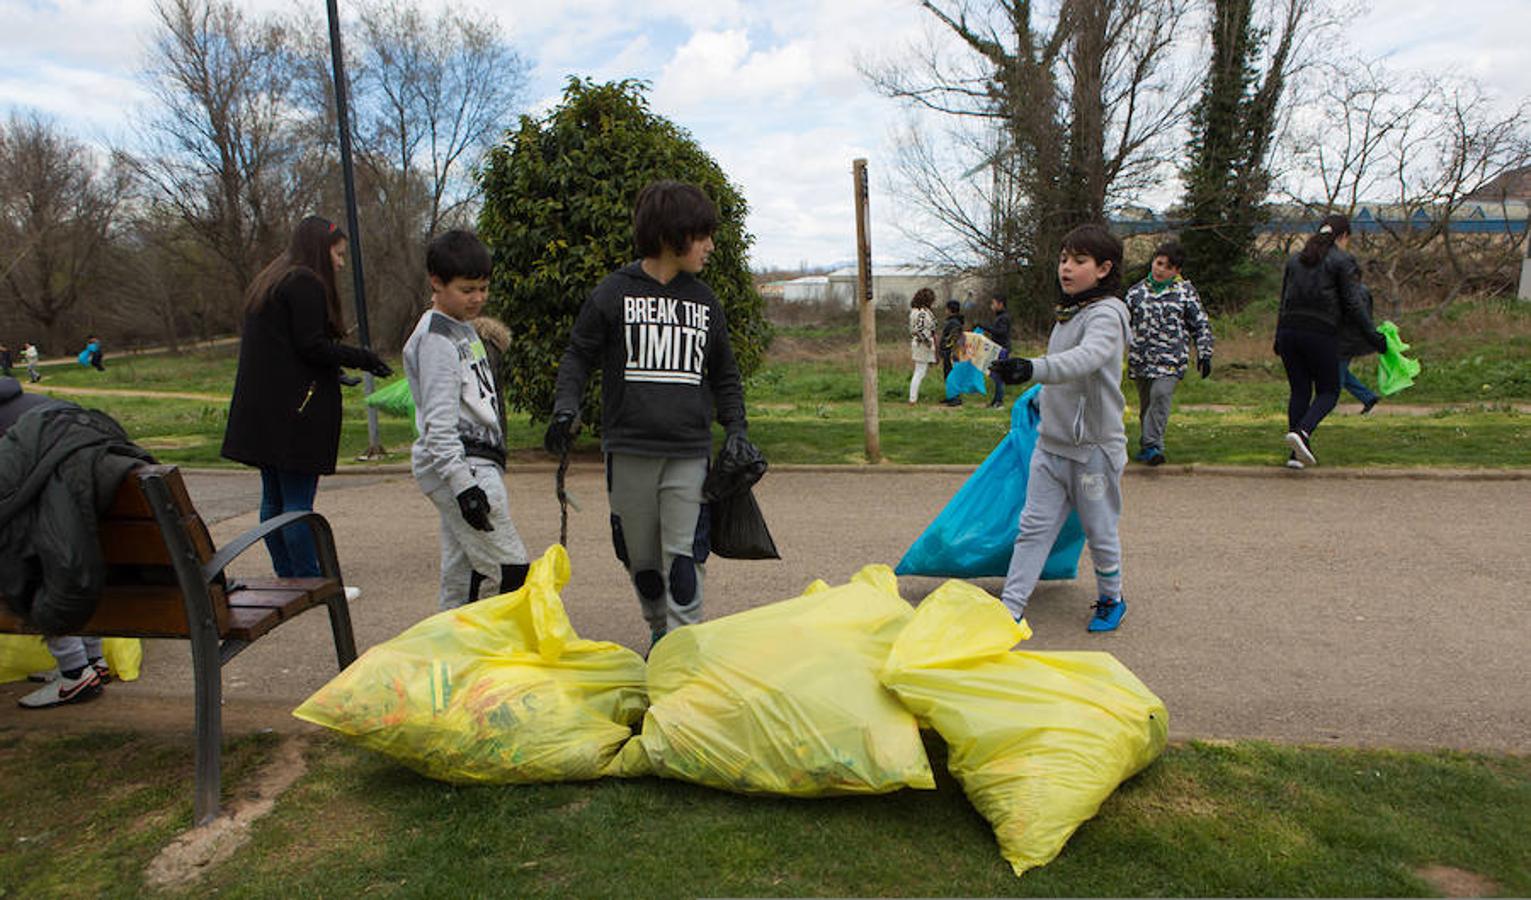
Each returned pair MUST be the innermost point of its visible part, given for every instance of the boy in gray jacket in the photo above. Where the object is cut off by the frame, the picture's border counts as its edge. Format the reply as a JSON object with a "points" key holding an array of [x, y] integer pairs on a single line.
{"points": [[1081, 443], [459, 457]]}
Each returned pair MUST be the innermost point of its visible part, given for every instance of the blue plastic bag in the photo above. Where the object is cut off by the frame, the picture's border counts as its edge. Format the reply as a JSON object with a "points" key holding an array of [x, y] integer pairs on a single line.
{"points": [[974, 535], [965, 378]]}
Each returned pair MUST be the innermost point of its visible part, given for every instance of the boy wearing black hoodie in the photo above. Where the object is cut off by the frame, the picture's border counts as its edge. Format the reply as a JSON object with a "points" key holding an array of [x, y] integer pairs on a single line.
{"points": [[660, 337]]}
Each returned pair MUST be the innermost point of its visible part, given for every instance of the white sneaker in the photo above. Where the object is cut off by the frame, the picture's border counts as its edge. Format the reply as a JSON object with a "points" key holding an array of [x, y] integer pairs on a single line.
{"points": [[1292, 462], [352, 593], [64, 690], [1301, 449]]}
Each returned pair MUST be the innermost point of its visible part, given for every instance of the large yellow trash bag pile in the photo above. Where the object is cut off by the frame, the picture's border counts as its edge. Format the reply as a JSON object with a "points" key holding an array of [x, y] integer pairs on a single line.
{"points": [[23, 654], [785, 698], [1037, 740], [501, 690]]}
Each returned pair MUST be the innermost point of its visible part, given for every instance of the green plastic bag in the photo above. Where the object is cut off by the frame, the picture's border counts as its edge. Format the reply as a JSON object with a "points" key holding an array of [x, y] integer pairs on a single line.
{"points": [[1394, 370], [394, 399]]}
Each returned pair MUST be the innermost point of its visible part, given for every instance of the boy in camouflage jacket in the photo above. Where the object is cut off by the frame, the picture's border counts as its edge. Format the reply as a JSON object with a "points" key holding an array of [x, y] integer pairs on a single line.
{"points": [[1166, 316]]}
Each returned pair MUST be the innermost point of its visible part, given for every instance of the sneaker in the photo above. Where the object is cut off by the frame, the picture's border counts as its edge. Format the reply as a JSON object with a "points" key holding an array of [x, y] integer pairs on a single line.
{"points": [[352, 593], [1367, 406], [64, 690], [1302, 447], [1108, 614], [1141, 455], [1292, 462], [1153, 456], [103, 671], [47, 677]]}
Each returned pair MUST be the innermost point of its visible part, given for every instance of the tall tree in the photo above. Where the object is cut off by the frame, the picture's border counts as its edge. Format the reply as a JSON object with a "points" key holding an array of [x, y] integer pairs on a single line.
{"points": [[58, 206], [1227, 175], [558, 200], [1059, 119]]}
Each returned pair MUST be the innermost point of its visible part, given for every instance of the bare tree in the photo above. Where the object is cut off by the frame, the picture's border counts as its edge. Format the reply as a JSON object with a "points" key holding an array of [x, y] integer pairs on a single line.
{"points": [[1050, 123], [58, 206], [1412, 149], [227, 153]]}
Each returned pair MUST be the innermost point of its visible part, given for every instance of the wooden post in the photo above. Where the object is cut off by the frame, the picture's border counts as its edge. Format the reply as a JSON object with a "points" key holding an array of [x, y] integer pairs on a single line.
{"points": [[868, 314]]}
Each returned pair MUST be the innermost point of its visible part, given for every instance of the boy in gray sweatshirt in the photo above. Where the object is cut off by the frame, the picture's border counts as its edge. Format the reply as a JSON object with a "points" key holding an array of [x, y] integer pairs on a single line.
{"points": [[1082, 442], [459, 457]]}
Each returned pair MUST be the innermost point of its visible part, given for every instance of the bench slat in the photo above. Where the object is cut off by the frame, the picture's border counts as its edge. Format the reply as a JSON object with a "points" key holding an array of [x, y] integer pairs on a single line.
{"points": [[246, 623]]}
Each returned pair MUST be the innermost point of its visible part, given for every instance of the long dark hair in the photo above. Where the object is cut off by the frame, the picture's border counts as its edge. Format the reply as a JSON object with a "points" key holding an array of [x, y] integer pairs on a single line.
{"points": [[1318, 245], [309, 250], [923, 298]]}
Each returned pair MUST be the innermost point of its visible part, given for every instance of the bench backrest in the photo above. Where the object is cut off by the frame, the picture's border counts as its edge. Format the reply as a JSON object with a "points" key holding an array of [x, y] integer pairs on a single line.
{"points": [[142, 595]]}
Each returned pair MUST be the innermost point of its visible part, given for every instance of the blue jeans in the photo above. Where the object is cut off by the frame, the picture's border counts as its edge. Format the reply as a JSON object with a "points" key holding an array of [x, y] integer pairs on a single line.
{"points": [[292, 549], [1353, 384]]}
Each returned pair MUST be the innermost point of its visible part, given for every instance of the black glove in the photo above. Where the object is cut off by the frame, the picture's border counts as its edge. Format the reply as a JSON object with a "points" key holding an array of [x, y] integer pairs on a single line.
{"points": [[1378, 340], [560, 434], [1204, 366], [373, 363], [474, 504], [1015, 370]]}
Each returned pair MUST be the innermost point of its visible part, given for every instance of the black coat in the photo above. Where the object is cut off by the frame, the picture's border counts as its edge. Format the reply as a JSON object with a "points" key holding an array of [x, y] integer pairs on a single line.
{"points": [[1320, 297], [999, 330], [286, 407], [1353, 341], [60, 467]]}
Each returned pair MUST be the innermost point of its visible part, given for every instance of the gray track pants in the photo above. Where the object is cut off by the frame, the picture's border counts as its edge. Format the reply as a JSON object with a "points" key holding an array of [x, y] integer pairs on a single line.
{"points": [[658, 533], [1056, 485], [466, 550], [71, 652], [1154, 398]]}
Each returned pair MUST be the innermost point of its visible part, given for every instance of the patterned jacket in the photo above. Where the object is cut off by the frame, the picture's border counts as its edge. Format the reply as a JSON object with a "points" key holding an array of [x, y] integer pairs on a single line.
{"points": [[1163, 324]]}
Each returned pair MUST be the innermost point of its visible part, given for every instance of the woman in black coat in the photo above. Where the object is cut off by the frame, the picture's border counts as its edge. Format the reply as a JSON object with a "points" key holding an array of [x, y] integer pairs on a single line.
{"points": [[1321, 291], [285, 414]]}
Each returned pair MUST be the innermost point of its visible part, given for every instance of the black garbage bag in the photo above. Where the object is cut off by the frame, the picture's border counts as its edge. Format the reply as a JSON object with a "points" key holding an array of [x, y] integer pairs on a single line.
{"points": [[738, 530]]}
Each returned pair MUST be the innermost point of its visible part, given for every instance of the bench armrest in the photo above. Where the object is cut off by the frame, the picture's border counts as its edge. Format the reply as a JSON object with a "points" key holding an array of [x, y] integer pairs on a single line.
{"points": [[324, 543]]}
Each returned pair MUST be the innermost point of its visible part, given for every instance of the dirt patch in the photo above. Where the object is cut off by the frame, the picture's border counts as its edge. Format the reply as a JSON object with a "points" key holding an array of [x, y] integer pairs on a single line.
{"points": [[194, 852], [1454, 882]]}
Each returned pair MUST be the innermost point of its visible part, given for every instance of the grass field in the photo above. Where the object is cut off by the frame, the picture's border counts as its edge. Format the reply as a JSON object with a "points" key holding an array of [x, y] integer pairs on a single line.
{"points": [[1246, 819], [805, 402]]}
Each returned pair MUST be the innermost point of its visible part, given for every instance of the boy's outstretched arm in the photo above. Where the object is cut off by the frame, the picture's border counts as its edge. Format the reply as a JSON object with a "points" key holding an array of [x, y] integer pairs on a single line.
{"points": [[1104, 340], [723, 372], [1197, 324]]}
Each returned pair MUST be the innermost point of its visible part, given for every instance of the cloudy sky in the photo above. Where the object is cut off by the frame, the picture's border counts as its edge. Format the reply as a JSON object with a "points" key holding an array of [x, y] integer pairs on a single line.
{"points": [[770, 88]]}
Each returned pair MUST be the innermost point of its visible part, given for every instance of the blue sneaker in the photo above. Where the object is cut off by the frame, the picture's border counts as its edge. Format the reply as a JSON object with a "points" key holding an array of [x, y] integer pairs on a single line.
{"points": [[1108, 614], [1141, 455], [1153, 456]]}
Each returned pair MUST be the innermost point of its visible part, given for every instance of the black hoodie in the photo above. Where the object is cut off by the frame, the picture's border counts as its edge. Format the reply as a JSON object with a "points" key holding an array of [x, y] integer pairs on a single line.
{"points": [[666, 364]]}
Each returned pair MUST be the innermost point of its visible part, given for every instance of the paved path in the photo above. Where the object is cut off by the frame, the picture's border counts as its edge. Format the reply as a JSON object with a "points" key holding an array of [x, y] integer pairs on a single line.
{"points": [[1354, 611]]}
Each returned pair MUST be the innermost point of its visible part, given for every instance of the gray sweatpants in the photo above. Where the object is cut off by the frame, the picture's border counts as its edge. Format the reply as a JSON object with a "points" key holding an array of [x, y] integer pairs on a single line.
{"points": [[466, 550], [71, 652], [1154, 398], [657, 532], [1057, 484]]}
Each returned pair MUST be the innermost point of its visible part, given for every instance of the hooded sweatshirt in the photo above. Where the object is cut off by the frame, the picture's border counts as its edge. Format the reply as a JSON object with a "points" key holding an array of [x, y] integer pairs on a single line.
{"points": [[666, 364], [1082, 406], [457, 407]]}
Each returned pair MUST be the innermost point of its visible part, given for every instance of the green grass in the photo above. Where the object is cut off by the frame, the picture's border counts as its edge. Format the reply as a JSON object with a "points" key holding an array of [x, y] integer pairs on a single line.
{"points": [[805, 402], [1206, 819]]}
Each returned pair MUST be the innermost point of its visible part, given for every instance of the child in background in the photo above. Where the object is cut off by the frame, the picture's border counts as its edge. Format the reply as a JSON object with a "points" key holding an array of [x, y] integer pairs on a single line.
{"points": [[1166, 315], [1081, 443], [459, 457], [951, 336], [999, 333], [29, 356]]}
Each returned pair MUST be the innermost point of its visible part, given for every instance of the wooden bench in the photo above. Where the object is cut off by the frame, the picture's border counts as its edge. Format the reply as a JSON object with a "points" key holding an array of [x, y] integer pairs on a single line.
{"points": [[165, 579]]}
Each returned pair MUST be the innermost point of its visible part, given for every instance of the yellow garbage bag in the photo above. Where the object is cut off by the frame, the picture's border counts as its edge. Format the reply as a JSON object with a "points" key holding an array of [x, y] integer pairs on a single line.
{"points": [[501, 690], [23, 654], [784, 699], [1037, 740]]}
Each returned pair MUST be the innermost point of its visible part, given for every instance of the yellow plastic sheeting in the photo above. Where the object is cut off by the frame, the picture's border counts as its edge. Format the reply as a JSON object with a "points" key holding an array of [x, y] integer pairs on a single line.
{"points": [[23, 654], [501, 690], [1038, 740], [785, 699]]}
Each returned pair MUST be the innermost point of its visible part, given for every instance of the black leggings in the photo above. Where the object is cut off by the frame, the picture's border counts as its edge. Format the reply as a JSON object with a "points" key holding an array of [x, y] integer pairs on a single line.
{"points": [[1312, 362]]}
